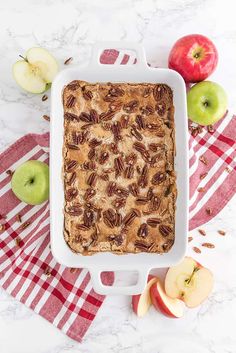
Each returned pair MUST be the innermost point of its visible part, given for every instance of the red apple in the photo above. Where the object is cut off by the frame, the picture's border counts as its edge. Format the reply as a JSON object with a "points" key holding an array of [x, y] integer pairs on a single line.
{"points": [[194, 57], [173, 308], [142, 302], [189, 281]]}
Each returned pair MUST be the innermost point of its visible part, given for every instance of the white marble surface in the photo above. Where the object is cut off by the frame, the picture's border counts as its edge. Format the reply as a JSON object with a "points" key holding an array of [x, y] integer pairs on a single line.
{"points": [[68, 28]]}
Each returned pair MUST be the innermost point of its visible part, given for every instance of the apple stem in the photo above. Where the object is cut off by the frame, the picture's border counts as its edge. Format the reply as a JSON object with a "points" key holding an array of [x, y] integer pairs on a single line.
{"points": [[21, 56]]}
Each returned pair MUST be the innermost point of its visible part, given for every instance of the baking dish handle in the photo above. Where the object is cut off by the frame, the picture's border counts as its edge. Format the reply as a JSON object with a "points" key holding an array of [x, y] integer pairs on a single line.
{"points": [[99, 47], [103, 289]]}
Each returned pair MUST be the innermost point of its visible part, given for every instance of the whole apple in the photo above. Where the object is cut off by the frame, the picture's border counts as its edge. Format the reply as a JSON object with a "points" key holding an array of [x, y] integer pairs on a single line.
{"points": [[30, 182], [207, 103], [194, 57]]}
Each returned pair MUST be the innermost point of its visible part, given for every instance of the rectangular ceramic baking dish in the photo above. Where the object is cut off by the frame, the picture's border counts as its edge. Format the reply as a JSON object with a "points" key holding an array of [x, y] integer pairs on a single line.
{"points": [[143, 262]]}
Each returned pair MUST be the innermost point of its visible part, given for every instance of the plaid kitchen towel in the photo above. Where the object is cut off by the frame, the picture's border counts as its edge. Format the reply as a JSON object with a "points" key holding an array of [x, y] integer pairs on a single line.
{"points": [[65, 296]]}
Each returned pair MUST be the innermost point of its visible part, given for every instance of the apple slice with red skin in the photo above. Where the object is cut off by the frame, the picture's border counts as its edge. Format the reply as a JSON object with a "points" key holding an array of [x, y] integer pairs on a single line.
{"points": [[142, 302], [189, 281], [170, 307]]}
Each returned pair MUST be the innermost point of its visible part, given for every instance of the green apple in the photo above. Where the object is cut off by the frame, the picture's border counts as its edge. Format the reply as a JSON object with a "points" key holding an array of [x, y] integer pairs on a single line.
{"points": [[207, 103], [30, 182], [36, 71]]}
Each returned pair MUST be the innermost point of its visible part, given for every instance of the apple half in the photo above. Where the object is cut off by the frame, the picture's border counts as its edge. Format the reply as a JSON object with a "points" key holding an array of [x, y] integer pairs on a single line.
{"points": [[142, 302], [189, 281], [170, 307], [36, 71]]}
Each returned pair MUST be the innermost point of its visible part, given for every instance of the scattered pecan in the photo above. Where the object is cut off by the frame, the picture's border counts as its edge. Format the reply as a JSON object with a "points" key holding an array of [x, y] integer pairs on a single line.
{"points": [[150, 193], [121, 192], [109, 217], [116, 129], [134, 132], [94, 142], [168, 244], [70, 102], [92, 179], [153, 221], [147, 91], [155, 159], [134, 189], [88, 217], [71, 179], [161, 91], [130, 217], [83, 137], [146, 157], [116, 238], [71, 194], [82, 227], [44, 97], [71, 116], [70, 146], [68, 61], [202, 232], [74, 210], [202, 176], [158, 178], [119, 203], [89, 193], [129, 172], [88, 95], [124, 121], [152, 127], [154, 147], [160, 108], [114, 148], [103, 157], [143, 179], [90, 165], [118, 219], [142, 246], [91, 153], [203, 160], [46, 117], [140, 147], [141, 200], [155, 203], [115, 106], [119, 165], [111, 188], [165, 230], [143, 230], [107, 115], [208, 245], [131, 106], [131, 158], [116, 91], [147, 110], [140, 122], [73, 85], [85, 117], [71, 165]]}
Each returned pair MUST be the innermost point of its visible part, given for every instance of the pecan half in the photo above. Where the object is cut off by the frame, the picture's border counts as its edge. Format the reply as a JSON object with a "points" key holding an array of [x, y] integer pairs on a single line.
{"points": [[71, 116], [71, 179], [160, 108], [155, 203], [116, 91], [134, 189], [109, 217], [154, 147], [122, 192], [134, 132], [168, 244], [153, 222], [162, 91], [124, 121], [116, 129], [115, 106], [72, 147], [103, 157], [88, 95], [91, 153], [142, 246], [94, 142], [71, 194], [70, 165], [143, 230], [140, 147], [83, 137], [165, 230], [143, 179], [140, 122], [85, 117], [131, 158], [89, 193], [130, 217], [116, 238], [114, 148], [70, 102], [88, 217], [73, 85], [111, 188], [74, 210], [150, 193], [147, 91], [94, 116], [158, 178], [82, 227], [141, 200], [106, 115], [90, 165], [152, 127], [147, 110], [119, 165], [118, 219], [129, 172], [92, 179], [131, 106], [119, 203]]}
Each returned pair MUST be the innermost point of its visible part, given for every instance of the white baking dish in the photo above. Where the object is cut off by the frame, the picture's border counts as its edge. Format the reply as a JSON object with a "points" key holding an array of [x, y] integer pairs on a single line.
{"points": [[144, 262]]}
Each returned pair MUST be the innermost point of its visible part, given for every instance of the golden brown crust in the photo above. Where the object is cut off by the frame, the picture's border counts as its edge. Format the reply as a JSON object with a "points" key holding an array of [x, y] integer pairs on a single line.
{"points": [[119, 178]]}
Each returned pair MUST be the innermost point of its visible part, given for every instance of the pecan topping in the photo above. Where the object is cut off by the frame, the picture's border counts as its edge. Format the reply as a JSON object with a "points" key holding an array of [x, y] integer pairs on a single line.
{"points": [[146, 157], [91, 153], [140, 147], [89, 193], [154, 159], [160, 133], [147, 110], [117, 239], [88, 217], [75, 138], [131, 159], [88, 95], [92, 179], [83, 137], [131, 106], [168, 244], [71, 179], [141, 200], [74, 210], [161, 91], [115, 106], [158, 178], [71, 165], [109, 217], [152, 127], [114, 148], [106, 126], [134, 189], [107, 115], [116, 129], [86, 126], [70, 102], [119, 203], [124, 121], [134, 132], [118, 219], [160, 108], [90, 165], [122, 192], [119, 165], [165, 230], [143, 246], [169, 190], [85, 117], [104, 177], [129, 172], [111, 188], [143, 230], [153, 222], [103, 157], [143, 179], [94, 143], [140, 122], [147, 92], [130, 217], [94, 116], [72, 86], [71, 116], [150, 193], [71, 194], [154, 147], [72, 147], [155, 203], [116, 92]]}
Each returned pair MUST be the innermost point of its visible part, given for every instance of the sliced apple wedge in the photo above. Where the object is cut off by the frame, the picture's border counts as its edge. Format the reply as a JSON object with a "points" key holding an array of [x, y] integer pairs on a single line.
{"points": [[36, 70], [173, 308], [142, 302], [189, 281]]}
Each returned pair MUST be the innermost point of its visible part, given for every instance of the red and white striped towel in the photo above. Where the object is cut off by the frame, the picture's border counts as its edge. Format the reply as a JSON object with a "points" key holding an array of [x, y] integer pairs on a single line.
{"points": [[27, 269]]}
